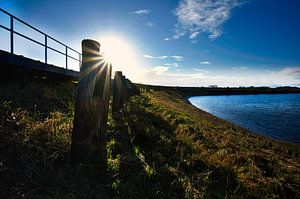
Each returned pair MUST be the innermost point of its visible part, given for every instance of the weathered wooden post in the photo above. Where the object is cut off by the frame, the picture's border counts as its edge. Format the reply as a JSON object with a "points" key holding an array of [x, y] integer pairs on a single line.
{"points": [[123, 90], [117, 92], [102, 93], [128, 86], [125, 94], [131, 88], [91, 108], [134, 89]]}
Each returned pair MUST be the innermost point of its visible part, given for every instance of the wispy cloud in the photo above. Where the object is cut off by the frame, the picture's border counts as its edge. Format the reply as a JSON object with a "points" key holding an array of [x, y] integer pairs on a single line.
{"points": [[287, 76], [240, 68], [194, 35], [158, 70], [175, 57], [150, 24], [200, 70], [202, 16], [175, 64], [205, 62], [141, 12], [155, 57], [291, 72]]}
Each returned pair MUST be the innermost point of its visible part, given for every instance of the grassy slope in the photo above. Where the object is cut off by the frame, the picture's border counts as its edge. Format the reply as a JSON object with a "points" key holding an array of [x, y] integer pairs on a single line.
{"points": [[238, 160], [159, 146]]}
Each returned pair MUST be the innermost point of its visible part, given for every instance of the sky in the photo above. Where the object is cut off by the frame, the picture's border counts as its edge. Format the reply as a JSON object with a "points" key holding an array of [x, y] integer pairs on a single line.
{"points": [[173, 42]]}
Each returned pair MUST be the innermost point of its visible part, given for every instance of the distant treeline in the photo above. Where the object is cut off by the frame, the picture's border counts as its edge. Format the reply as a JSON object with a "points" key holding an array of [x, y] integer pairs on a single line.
{"points": [[198, 91]]}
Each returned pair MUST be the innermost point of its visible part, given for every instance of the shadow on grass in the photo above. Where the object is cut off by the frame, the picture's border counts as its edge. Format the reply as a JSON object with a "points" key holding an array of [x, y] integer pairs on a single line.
{"points": [[152, 153], [136, 175], [157, 163]]}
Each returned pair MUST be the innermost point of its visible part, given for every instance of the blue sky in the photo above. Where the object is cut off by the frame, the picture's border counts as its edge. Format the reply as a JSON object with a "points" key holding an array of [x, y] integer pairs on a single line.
{"points": [[180, 42]]}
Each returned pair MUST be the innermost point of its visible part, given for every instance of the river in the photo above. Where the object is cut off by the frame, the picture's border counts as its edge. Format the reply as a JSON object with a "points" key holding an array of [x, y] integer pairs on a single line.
{"points": [[273, 115]]}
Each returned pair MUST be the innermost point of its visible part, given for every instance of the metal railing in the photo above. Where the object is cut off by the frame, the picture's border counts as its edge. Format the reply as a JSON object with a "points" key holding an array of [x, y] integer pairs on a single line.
{"points": [[45, 44]]}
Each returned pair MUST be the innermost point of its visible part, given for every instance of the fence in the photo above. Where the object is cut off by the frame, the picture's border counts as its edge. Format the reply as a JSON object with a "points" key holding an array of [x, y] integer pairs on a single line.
{"points": [[93, 93], [92, 103], [46, 39], [123, 90]]}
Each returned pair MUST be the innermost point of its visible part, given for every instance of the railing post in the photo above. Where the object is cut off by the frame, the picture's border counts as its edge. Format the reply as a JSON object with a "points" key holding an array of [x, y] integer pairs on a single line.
{"points": [[79, 60], [91, 108], [46, 56], [11, 34], [66, 57]]}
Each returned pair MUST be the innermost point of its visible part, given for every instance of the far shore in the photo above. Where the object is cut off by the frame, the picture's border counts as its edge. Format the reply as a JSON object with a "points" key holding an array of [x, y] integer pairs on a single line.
{"points": [[206, 91]]}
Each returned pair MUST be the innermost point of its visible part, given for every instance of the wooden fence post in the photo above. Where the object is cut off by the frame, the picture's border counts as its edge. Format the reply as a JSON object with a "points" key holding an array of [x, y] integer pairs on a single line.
{"points": [[131, 88], [117, 92], [123, 90], [91, 108], [125, 94]]}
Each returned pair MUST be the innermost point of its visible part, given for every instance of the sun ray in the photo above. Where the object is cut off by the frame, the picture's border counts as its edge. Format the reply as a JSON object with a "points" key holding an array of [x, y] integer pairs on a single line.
{"points": [[118, 52]]}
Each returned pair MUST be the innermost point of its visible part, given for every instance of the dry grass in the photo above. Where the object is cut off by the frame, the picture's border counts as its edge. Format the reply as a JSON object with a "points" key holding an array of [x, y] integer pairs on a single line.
{"points": [[236, 160], [159, 146], [35, 134]]}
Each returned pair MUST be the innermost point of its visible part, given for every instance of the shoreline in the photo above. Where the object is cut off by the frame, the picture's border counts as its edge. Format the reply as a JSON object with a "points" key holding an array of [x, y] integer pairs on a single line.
{"points": [[186, 101], [185, 106], [186, 92], [267, 134], [251, 131], [256, 161]]}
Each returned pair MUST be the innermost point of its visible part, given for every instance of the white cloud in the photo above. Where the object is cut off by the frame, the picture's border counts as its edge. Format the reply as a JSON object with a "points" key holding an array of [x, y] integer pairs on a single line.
{"points": [[200, 70], [175, 64], [215, 34], [161, 75], [240, 68], [141, 12], [205, 62], [203, 16], [158, 70], [150, 24], [194, 35], [175, 57], [288, 73], [153, 57]]}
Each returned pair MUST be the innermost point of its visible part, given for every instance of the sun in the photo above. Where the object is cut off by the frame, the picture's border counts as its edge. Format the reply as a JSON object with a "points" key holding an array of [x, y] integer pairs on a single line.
{"points": [[123, 53], [117, 51]]}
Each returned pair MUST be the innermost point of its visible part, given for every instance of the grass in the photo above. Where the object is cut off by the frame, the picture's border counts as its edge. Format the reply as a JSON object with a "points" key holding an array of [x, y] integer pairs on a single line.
{"points": [[158, 146], [236, 163]]}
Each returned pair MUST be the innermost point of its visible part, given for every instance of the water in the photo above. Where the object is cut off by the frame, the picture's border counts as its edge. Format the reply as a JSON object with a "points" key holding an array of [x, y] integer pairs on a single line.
{"points": [[273, 115]]}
